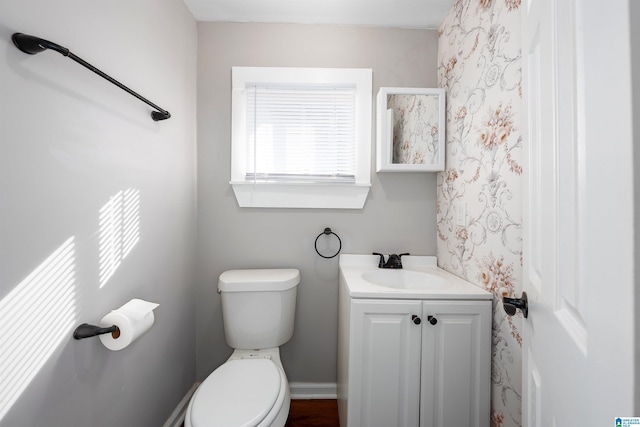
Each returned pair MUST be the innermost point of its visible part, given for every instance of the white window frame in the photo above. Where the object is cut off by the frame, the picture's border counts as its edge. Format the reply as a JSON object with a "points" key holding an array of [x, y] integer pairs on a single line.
{"points": [[251, 193]]}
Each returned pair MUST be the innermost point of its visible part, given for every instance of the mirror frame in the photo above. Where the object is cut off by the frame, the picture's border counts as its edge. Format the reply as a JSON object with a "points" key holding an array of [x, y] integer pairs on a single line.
{"points": [[384, 131]]}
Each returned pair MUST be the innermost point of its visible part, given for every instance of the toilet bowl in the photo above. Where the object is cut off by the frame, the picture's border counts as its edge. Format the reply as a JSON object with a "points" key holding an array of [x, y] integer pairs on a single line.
{"points": [[250, 389]]}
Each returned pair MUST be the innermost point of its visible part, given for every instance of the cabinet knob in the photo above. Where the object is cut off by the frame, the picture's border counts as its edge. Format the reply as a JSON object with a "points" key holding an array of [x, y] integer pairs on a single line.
{"points": [[432, 320], [416, 319]]}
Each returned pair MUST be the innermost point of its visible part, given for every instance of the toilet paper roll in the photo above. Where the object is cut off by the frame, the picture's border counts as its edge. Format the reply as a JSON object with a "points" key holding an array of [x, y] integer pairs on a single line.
{"points": [[132, 319]]}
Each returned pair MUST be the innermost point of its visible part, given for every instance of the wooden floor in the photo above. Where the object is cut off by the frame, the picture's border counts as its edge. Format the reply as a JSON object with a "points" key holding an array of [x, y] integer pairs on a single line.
{"points": [[313, 413]]}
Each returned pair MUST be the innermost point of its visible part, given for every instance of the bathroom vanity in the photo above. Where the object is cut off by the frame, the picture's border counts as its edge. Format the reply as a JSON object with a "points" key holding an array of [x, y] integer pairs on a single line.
{"points": [[414, 346]]}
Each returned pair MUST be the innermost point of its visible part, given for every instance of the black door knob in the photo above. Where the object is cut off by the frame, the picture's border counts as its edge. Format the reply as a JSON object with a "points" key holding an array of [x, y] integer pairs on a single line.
{"points": [[416, 319], [432, 320], [512, 304]]}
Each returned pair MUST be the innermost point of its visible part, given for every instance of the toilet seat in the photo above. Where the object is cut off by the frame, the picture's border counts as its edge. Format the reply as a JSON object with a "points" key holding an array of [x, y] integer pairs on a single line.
{"points": [[241, 392]]}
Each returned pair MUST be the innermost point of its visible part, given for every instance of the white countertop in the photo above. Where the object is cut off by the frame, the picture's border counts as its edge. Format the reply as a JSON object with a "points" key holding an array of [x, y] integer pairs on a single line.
{"points": [[352, 268]]}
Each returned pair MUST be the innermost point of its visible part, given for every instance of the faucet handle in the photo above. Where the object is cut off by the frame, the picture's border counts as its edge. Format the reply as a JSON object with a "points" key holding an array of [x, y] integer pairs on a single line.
{"points": [[401, 255], [394, 261], [381, 262]]}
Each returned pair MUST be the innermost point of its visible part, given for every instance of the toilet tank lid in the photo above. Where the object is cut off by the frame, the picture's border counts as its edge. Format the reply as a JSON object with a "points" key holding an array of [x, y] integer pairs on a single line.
{"points": [[259, 280]]}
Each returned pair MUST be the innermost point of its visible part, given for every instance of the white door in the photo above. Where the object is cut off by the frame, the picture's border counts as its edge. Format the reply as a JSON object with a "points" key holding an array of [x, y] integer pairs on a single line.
{"points": [[578, 367]]}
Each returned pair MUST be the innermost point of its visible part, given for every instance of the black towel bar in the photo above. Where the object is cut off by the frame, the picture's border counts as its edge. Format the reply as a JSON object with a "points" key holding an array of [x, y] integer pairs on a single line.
{"points": [[32, 45]]}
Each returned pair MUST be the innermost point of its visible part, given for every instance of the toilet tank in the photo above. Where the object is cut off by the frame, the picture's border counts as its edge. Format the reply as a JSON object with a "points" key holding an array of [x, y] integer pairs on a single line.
{"points": [[258, 306]]}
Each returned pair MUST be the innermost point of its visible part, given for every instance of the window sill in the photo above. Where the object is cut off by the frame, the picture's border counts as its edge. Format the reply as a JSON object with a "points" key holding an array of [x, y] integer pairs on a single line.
{"points": [[303, 195]]}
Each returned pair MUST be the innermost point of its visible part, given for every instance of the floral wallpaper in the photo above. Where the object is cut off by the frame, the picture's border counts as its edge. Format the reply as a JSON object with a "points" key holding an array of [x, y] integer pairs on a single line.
{"points": [[415, 128], [479, 65]]}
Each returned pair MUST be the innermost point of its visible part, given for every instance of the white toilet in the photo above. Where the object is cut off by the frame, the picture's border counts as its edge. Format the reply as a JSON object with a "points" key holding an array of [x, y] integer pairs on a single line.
{"points": [[250, 389]]}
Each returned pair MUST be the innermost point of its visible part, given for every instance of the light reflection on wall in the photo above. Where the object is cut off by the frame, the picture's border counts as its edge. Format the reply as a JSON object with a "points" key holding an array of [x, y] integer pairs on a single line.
{"points": [[36, 316], [119, 231]]}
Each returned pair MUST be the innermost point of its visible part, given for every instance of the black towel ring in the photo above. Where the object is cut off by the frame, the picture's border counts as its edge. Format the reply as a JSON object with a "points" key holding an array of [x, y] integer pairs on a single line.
{"points": [[328, 231]]}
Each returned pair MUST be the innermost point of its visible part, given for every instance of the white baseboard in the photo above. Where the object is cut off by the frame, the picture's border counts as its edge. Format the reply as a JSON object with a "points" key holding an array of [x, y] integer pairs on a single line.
{"points": [[177, 416], [313, 390]]}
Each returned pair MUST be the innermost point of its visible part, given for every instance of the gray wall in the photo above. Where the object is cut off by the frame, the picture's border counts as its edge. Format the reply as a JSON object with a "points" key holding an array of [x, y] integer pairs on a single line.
{"points": [[68, 142], [399, 215]]}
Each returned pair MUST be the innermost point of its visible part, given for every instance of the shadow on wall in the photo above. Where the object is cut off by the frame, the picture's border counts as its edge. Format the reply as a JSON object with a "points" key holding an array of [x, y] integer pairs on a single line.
{"points": [[40, 312], [37, 316], [119, 231]]}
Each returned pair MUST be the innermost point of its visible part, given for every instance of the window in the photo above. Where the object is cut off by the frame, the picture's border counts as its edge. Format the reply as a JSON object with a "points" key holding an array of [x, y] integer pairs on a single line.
{"points": [[302, 134], [301, 137]]}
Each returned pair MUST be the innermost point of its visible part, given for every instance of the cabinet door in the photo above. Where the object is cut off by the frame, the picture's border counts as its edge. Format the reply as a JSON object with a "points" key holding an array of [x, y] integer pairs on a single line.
{"points": [[456, 364], [384, 386]]}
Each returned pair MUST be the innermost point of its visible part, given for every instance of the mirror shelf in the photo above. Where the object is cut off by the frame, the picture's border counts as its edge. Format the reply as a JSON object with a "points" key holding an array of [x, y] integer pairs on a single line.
{"points": [[410, 129]]}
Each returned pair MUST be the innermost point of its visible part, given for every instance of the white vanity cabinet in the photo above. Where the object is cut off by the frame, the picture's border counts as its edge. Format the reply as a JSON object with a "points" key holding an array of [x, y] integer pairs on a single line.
{"points": [[406, 362], [456, 364]]}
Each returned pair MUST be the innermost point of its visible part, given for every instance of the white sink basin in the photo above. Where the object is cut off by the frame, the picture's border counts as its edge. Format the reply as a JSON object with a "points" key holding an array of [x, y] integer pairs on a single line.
{"points": [[420, 278], [404, 279]]}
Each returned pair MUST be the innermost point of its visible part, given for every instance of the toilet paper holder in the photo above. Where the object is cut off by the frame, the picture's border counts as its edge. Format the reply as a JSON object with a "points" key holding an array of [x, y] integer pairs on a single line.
{"points": [[87, 331]]}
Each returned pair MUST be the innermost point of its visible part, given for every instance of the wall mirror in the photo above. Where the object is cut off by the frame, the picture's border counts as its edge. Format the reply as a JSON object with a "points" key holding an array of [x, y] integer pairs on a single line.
{"points": [[410, 129]]}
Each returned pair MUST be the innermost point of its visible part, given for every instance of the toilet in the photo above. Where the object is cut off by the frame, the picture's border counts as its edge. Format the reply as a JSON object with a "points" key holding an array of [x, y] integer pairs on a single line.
{"points": [[250, 389]]}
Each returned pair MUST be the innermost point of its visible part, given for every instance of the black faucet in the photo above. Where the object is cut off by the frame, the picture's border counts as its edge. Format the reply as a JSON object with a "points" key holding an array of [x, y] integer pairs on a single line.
{"points": [[394, 261]]}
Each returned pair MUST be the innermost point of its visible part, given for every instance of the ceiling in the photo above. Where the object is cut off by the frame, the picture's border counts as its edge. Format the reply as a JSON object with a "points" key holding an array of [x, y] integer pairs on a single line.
{"points": [[382, 13]]}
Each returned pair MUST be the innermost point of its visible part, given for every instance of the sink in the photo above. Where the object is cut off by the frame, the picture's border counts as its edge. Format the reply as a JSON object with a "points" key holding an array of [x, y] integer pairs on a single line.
{"points": [[404, 279], [419, 279]]}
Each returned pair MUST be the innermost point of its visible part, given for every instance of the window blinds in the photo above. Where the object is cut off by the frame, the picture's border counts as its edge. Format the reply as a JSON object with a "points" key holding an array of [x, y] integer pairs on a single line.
{"points": [[301, 134]]}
